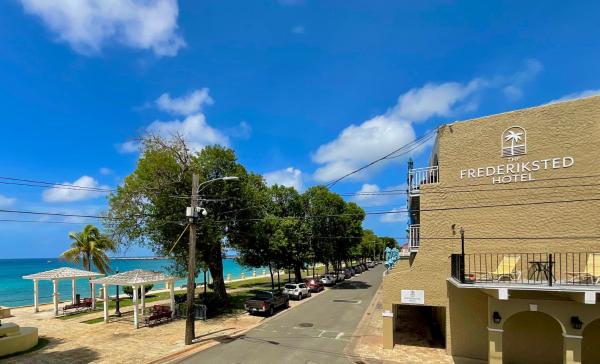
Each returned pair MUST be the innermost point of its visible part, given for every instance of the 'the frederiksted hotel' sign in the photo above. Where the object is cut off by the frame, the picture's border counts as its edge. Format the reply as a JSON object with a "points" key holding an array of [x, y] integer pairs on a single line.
{"points": [[514, 145]]}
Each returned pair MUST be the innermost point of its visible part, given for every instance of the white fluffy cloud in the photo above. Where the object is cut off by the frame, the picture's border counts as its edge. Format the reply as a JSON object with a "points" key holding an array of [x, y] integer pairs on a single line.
{"points": [[576, 95], [360, 144], [420, 104], [371, 195], [194, 129], [398, 216], [185, 105], [513, 85], [87, 25], [75, 194], [7, 201], [290, 177]]}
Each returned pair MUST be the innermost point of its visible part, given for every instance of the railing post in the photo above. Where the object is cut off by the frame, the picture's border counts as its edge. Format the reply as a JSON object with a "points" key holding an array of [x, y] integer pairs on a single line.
{"points": [[550, 270], [462, 255]]}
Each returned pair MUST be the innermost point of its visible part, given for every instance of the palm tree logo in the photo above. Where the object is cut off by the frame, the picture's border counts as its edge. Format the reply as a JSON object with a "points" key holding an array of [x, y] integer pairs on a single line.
{"points": [[514, 142]]}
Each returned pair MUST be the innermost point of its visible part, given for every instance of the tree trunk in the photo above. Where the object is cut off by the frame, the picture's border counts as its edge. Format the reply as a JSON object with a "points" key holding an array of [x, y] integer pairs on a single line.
{"points": [[278, 280], [298, 273], [313, 269], [289, 275], [216, 271], [272, 281]]}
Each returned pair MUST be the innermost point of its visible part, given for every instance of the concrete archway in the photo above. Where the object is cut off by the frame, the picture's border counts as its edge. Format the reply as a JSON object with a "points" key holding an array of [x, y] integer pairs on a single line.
{"points": [[532, 337], [590, 350]]}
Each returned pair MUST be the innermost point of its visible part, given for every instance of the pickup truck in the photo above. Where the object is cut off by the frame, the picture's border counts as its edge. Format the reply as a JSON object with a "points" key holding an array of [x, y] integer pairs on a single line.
{"points": [[267, 302]]}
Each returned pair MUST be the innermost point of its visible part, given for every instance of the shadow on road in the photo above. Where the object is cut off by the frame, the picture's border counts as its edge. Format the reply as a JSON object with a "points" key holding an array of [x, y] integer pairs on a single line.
{"points": [[352, 285]]}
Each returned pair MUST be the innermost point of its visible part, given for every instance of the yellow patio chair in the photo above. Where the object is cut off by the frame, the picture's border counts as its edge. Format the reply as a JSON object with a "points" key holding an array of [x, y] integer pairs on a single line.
{"points": [[591, 272], [507, 268]]}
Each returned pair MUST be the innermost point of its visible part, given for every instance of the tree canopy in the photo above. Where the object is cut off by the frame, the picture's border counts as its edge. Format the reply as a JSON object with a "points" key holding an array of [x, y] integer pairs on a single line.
{"points": [[275, 227]]}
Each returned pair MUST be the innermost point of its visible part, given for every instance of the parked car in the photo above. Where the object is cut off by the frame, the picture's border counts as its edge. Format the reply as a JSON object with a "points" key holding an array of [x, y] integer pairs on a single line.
{"points": [[347, 273], [328, 280], [297, 290], [352, 271], [364, 266], [371, 264], [267, 302], [357, 269], [314, 284], [340, 275]]}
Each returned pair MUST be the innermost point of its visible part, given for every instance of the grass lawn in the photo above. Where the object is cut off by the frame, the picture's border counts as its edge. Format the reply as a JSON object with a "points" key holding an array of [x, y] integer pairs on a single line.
{"points": [[236, 298], [265, 282]]}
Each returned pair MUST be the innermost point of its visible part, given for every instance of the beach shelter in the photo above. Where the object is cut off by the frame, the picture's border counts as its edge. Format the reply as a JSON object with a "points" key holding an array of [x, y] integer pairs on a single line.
{"points": [[56, 275], [137, 278]]}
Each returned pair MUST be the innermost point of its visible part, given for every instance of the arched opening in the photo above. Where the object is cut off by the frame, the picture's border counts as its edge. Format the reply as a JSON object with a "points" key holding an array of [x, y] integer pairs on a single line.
{"points": [[590, 350], [532, 337]]}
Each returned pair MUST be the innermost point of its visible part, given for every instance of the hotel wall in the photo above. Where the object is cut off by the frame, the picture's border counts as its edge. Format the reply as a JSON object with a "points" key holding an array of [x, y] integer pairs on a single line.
{"points": [[567, 129]]}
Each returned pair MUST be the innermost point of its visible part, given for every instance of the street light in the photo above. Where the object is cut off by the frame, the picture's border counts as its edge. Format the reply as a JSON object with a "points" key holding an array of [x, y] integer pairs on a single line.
{"points": [[192, 215], [205, 183]]}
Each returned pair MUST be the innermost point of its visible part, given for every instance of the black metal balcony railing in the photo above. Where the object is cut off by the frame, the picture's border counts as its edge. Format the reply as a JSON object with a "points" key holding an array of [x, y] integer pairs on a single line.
{"points": [[527, 268]]}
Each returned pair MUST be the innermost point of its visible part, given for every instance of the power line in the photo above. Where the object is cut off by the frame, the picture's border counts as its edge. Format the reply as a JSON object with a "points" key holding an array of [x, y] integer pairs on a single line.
{"points": [[491, 189], [46, 184], [43, 221], [399, 211], [402, 150], [423, 237]]}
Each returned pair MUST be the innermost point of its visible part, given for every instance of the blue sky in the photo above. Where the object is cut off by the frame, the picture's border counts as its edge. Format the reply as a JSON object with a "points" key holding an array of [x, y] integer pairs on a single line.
{"points": [[304, 91]]}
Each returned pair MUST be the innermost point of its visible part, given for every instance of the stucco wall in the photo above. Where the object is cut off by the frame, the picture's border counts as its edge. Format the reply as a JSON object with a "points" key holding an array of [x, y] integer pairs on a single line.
{"points": [[570, 129], [591, 338], [533, 338]]}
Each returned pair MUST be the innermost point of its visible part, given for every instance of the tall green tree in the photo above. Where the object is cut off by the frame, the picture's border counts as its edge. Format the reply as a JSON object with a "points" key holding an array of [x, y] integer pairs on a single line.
{"points": [[327, 216], [149, 208], [90, 247]]}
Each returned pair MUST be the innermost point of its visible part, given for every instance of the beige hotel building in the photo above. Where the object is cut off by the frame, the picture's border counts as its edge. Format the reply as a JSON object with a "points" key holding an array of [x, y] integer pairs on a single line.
{"points": [[523, 188]]}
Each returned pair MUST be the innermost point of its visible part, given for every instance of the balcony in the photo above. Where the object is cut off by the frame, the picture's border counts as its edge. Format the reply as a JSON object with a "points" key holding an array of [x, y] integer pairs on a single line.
{"points": [[421, 176], [570, 272], [413, 237]]}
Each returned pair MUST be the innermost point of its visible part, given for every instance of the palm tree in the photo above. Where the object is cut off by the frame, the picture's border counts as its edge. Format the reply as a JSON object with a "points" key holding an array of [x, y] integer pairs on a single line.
{"points": [[513, 137], [89, 247]]}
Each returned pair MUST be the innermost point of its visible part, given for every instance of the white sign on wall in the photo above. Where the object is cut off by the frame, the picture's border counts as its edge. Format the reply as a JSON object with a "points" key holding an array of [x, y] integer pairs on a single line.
{"points": [[412, 296], [513, 146]]}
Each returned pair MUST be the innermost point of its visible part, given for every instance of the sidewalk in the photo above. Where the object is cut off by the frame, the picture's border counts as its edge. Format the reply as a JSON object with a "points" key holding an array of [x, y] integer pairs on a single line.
{"points": [[411, 347], [73, 341]]}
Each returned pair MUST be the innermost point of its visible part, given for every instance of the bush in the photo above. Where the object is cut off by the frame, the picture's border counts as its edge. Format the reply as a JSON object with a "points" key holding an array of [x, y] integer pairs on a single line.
{"points": [[180, 297], [214, 306], [128, 290]]}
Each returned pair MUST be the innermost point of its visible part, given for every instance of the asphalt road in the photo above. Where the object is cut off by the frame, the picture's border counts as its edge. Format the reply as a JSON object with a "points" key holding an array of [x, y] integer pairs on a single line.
{"points": [[315, 332]]}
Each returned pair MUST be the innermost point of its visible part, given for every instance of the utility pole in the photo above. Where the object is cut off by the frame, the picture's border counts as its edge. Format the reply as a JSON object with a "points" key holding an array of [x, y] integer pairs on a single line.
{"points": [[190, 332]]}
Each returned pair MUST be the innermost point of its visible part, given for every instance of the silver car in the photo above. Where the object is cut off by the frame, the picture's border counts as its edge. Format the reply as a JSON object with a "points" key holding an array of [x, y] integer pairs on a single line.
{"points": [[328, 280], [296, 290]]}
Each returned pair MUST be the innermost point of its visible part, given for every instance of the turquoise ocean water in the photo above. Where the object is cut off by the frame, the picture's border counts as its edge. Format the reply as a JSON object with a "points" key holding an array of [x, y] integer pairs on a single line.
{"points": [[16, 291]]}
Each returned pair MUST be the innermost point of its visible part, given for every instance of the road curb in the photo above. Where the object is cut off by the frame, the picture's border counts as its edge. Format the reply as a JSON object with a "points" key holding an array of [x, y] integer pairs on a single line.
{"points": [[201, 346]]}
